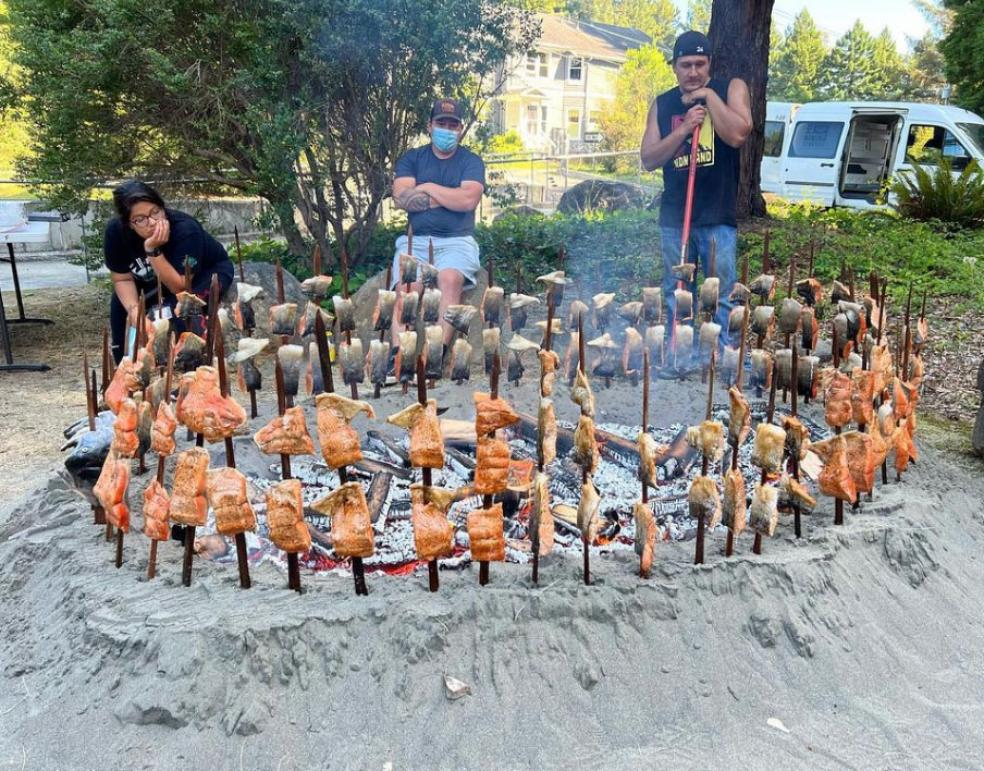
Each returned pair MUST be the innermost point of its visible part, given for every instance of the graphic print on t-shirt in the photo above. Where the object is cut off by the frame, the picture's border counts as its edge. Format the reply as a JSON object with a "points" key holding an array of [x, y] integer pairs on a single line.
{"points": [[705, 151], [141, 270]]}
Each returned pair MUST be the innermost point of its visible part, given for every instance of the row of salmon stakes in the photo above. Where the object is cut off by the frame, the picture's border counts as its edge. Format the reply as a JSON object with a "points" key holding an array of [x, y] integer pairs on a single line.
{"points": [[204, 406]]}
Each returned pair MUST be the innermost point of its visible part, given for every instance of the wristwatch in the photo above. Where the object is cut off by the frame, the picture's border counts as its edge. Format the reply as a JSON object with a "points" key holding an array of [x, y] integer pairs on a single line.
{"points": [[154, 252]]}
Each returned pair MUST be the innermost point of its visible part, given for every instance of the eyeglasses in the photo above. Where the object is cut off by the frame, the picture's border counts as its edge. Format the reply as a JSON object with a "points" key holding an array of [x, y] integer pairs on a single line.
{"points": [[143, 219]]}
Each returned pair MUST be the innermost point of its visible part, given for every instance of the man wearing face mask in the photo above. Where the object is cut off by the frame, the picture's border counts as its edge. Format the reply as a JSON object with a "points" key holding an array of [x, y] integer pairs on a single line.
{"points": [[439, 185], [722, 109]]}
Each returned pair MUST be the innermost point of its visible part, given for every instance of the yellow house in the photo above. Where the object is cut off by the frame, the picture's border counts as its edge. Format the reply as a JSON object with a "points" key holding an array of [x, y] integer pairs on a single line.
{"points": [[554, 95]]}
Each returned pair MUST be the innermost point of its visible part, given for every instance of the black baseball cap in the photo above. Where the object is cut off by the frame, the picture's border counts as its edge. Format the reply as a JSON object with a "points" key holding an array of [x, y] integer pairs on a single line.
{"points": [[446, 108], [692, 43]]}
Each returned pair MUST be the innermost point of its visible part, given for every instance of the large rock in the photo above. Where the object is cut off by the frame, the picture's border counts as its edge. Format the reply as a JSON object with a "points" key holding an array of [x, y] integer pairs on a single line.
{"points": [[597, 194], [977, 438]]}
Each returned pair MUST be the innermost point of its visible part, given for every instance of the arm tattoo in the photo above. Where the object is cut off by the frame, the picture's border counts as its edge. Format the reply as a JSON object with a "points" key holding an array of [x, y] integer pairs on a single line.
{"points": [[414, 201]]}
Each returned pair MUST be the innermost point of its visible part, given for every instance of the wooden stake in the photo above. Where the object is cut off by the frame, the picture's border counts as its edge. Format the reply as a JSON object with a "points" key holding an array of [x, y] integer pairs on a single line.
{"points": [[107, 359], [795, 461], [433, 577], [239, 255], [293, 568]]}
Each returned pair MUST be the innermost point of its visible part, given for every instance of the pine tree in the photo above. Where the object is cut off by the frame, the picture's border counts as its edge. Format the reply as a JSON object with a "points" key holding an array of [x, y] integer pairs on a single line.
{"points": [[849, 71], [963, 49], [891, 69], [699, 15], [657, 18], [794, 69]]}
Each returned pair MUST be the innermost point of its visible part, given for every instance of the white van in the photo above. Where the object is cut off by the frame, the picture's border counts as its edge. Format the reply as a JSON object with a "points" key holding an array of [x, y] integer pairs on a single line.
{"points": [[842, 153]]}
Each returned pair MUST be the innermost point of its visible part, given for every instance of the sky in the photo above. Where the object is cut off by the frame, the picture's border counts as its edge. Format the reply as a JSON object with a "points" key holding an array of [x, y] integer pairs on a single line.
{"points": [[835, 17]]}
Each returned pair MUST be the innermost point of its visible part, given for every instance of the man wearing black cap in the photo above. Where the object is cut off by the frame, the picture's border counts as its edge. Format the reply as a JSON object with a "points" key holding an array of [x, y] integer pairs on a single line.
{"points": [[439, 185], [723, 112]]}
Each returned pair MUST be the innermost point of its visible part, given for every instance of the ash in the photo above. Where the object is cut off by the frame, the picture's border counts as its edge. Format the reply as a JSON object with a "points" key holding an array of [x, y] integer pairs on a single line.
{"points": [[616, 478]]}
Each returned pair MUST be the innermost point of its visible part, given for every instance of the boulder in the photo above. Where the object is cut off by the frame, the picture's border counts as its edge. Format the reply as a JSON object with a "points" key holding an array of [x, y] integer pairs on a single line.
{"points": [[602, 195], [977, 437], [264, 274]]}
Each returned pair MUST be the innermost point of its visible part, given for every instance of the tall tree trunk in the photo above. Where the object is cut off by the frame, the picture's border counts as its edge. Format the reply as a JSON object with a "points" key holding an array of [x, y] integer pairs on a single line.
{"points": [[739, 36]]}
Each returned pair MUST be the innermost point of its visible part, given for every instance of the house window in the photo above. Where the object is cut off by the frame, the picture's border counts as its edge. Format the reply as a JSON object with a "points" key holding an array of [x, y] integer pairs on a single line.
{"points": [[574, 67], [573, 124], [543, 119], [532, 120], [536, 64], [816, 139]]}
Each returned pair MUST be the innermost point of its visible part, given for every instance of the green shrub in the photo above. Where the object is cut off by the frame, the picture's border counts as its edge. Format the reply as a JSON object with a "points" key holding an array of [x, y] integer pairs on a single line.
{"points": [[935, 193], [505, 144]]}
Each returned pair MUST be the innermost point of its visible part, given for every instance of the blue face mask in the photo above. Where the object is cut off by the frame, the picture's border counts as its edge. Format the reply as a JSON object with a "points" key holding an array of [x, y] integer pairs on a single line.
{"points": [[444, 139]]}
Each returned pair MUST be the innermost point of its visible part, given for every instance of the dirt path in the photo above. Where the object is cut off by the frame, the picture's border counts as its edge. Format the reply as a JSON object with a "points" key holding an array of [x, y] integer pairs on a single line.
{"points": [[35, 407]]}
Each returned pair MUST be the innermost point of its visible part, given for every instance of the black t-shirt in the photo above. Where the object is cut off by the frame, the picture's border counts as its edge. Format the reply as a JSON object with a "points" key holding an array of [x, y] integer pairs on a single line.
{"points": [[124, 252], [718, 167], [421, 164]]}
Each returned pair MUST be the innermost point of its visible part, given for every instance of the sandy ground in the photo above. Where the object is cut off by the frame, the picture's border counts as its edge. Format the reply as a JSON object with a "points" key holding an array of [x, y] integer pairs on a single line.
{"points": [[855, 646]]}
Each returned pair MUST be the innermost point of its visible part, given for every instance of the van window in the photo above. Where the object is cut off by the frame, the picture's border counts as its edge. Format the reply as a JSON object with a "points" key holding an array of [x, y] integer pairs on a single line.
{"points": [[926, 143], [816, 139], [976, 133], [774, 132]]}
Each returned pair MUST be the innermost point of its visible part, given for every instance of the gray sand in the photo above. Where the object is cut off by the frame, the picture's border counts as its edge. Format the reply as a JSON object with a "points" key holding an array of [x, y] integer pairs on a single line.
{"points": [[863, 640]]}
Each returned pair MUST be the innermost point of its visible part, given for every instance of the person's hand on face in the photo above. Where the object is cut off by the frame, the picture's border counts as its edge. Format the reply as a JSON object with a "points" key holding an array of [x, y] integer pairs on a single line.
{"points": [[159, 235], [690, 97]]}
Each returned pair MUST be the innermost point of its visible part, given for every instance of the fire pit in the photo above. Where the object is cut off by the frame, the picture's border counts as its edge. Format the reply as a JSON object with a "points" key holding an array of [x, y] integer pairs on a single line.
{"points": [[386, 480]]}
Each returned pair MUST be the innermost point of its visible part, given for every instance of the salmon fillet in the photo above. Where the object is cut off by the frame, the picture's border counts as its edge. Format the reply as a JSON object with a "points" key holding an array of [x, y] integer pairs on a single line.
{"points": [[188, 503], [125, 439], [156, 506], [433, 534], [426, 442], [339, 441], [206, 411], [162, 432], [285, 517], [492, 414], [492, 466], [110, 490], [351, 528], [734, 506], [645, 536], [226, 489], [286, 434], [485, 532]]}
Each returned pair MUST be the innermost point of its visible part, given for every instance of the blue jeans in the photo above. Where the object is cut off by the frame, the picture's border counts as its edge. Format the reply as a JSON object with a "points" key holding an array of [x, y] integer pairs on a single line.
{"points": [[699, 249]]}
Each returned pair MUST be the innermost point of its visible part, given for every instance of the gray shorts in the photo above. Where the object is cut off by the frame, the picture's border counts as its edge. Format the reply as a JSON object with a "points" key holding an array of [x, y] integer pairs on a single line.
{"points": [[458, 253]]}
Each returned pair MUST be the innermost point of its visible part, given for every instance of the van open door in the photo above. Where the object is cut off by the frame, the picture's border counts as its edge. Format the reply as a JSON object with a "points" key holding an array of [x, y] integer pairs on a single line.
{"points": [[778, 117], [812, 163], [869, 151]]}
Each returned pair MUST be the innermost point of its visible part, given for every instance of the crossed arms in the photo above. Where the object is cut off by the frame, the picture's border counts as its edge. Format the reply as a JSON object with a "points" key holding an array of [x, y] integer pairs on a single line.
{"points": [[411, 197]]}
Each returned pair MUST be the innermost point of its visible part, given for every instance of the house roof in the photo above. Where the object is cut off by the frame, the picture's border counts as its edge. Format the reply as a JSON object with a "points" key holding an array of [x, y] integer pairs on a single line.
{"points": [[589, 38]]}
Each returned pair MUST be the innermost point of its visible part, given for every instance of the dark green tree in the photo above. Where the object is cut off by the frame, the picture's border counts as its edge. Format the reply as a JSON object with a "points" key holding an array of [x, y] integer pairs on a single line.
{"points": [[793, 71], [963, 49], [306, 103], [849, 71], [891, 68]]}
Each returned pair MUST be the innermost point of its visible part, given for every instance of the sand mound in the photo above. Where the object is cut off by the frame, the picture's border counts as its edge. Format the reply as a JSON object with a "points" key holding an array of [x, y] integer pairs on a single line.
{"points": [[861, 644]]}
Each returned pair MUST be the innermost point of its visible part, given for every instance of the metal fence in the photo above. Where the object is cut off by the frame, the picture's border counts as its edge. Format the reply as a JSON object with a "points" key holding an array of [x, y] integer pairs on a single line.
{"points": [[539, 180]]}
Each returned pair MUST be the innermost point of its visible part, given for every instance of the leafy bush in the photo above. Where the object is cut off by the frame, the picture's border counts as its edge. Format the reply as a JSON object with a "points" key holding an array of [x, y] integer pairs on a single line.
{"points": [[505, 144], [936, 194]]}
